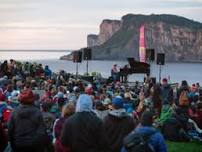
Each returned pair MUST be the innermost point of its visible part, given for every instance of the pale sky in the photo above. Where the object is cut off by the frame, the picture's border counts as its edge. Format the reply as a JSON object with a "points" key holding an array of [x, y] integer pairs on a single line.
{"points": [[65, 24]]}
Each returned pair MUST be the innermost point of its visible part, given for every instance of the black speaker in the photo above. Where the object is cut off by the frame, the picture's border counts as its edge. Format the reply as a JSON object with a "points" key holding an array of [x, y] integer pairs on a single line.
{"points": [[77, 56], [153, 79], [150, 54], [87, 54], [88, 78], [160, 59]]}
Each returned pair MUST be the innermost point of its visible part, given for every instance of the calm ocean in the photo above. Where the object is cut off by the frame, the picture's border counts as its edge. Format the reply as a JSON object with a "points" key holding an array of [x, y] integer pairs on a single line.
{"points": [[192, 72]]}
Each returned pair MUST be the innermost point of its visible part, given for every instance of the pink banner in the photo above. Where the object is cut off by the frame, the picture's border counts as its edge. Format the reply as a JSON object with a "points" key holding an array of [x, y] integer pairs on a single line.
{"points": [[142, 50]]}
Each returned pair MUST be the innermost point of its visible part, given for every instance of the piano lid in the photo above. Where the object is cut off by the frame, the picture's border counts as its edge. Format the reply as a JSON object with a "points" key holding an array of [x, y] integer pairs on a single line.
{"points": [[134, 63]]}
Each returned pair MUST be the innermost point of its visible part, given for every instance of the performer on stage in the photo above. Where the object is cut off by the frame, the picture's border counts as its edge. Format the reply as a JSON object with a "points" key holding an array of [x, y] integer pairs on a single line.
{"points": [[124, 74], [115, 73]]}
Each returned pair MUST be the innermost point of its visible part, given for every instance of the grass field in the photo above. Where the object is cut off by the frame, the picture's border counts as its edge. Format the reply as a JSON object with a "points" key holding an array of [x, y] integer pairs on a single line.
{"points": [[184, 147]]}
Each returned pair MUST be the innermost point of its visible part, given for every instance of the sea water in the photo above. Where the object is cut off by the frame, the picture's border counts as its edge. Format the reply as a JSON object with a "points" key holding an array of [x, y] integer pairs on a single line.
{"points": [[176, 72]]}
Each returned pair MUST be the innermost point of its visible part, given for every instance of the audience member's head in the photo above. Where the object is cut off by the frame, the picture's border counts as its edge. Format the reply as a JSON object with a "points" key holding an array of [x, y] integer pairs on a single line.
{"points": [[147, 118], [117, 102], [26, 97], [84, 103], [68, 109]]}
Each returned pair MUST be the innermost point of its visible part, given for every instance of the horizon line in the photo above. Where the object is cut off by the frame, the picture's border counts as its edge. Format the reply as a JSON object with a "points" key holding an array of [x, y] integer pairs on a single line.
{"points": [[34, 50]]}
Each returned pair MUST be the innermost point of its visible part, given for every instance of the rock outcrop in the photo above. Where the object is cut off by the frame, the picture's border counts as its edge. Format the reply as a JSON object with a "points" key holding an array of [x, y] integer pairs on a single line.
{"points": [[179, 38], [107, 29], [178, 43]]}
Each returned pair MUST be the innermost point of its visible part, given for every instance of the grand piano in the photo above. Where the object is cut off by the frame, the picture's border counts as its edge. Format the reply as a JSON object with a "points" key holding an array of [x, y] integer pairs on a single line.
{"points": [[135, 67], [138, 67]]}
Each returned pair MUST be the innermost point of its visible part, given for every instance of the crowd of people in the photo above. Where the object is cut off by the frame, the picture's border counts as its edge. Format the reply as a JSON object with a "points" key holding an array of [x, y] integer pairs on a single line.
{"points": [[41, 111]]}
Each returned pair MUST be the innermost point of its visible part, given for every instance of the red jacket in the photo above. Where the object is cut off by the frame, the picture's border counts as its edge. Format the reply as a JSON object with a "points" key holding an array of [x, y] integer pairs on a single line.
{"points": [[58, 129]]}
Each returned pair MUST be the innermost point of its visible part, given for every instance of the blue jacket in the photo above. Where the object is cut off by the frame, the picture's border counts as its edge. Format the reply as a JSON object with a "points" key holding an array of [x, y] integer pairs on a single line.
{"points": [[156, 140], [47, 72]]}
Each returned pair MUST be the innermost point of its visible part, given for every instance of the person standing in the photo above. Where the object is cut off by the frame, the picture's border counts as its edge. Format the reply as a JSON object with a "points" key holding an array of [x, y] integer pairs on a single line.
{"points": [[4, 68], [115, 73], [167, 92], [47, 72]]}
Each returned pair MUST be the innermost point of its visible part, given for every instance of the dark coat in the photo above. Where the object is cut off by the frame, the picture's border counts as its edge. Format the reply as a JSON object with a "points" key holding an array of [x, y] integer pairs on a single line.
{"points": [[83, 132], [3, 138], [167, 94], [26, 127], [117, 125]]}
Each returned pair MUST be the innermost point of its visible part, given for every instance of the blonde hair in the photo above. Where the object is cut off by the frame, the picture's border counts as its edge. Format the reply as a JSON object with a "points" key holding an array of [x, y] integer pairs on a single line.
{"points": [[68, 109]]}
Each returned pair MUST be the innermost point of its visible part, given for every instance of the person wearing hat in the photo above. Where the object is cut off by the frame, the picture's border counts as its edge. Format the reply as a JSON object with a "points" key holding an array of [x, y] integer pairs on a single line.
{"points": [[26, 129], [117, 124], [100, 109], [83, 131]]}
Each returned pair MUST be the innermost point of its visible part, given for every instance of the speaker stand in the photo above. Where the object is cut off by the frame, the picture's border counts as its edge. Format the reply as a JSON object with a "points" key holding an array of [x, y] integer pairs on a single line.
{"points": [[150, 63], [160, 66], [77, 70], [87, 67]]}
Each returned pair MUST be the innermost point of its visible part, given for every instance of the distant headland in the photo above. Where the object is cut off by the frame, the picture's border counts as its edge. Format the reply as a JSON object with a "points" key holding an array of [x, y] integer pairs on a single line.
{"points": [[178, 37]]}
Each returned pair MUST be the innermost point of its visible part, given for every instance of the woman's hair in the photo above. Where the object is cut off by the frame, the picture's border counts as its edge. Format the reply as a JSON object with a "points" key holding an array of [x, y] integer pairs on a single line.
{"points": [[68, 109], [184, 83]]}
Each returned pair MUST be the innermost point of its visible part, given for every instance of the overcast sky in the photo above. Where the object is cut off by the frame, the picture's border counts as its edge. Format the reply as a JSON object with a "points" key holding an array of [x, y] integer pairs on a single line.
{"points": [[65, 24]]}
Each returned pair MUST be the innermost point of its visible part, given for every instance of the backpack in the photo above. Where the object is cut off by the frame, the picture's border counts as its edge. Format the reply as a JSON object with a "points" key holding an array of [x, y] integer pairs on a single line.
{"points": [[138, 142], [183, 99]]}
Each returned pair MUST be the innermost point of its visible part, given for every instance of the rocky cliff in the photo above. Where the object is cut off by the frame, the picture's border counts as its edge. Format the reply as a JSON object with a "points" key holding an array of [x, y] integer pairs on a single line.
{"points": [[107, 29], [179, 38]]}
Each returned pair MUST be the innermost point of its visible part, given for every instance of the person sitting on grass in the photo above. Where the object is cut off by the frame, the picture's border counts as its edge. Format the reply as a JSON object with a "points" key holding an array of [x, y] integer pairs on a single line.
{"points": [[84, 126], [156, 140], [117, 124]]}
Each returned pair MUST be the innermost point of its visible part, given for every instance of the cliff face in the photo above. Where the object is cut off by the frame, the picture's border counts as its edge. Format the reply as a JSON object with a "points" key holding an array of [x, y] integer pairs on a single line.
{"points": [[92, 40], [179, 38], [107, 29], [178, 43]]}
